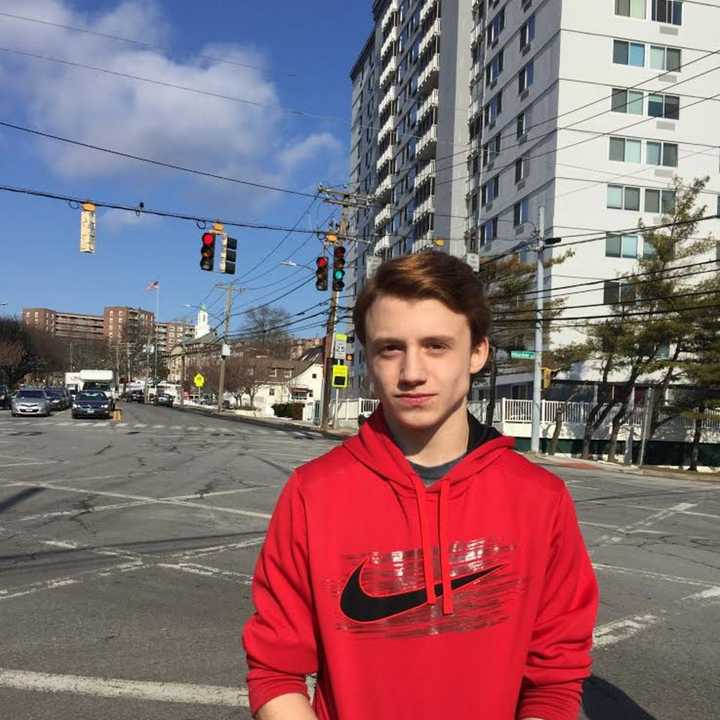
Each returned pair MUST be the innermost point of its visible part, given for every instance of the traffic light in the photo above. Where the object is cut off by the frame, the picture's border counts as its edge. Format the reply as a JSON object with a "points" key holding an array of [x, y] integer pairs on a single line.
{"points": [[207, 252], [321, 274], [228, 255], [548, 375], [338, 282]]}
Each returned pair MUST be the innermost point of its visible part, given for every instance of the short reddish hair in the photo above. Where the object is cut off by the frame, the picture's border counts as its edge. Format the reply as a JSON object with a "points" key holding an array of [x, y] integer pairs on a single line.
{"points": [[428, 276]]}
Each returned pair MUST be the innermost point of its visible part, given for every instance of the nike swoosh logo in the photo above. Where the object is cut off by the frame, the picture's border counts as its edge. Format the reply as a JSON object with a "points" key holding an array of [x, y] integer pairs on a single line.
{"points": [[361, 607]]}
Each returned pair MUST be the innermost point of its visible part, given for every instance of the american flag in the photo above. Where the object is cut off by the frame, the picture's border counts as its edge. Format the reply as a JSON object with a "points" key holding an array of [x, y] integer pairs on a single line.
{"points": [[154, 285]]}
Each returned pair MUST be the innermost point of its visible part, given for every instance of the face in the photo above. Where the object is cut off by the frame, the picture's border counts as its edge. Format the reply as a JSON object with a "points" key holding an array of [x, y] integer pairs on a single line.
{"points": [[420, 358]]}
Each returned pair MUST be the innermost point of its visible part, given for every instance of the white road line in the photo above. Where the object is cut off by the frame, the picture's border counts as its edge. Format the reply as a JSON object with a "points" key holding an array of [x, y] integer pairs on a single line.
{"points": [[711, 594], [140, 425], [192, 427], [652, 575], [158, 427], [193, 569], [694, 513], [641, 524], [176, 427], [119, 688], [619, 630], [177, 503], [121, 424], [201, 552], [28, 464]]}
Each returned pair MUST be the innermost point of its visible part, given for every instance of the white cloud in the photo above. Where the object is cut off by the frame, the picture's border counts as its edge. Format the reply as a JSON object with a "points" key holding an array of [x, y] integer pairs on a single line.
{"points": [[147, 119]]}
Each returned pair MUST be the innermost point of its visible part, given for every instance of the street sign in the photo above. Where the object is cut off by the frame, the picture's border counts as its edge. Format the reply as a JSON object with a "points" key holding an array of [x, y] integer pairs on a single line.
{"points": [[340, 346], [226, 350], [473, 260], [340, 374], [372, 263], [522, 354], [199, 380]]}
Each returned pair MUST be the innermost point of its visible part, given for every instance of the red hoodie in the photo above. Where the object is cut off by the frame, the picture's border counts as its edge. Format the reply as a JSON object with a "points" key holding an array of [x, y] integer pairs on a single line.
{"points": [[473, 598]]}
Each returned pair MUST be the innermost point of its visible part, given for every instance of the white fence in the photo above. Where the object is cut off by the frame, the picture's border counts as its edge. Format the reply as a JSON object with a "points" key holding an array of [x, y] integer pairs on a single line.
{"points": [[514, 418]]}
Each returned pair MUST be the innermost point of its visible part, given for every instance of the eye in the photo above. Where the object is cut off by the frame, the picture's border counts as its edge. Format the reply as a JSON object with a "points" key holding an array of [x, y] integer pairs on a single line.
{"points": [[437, 347], [389, 349]]}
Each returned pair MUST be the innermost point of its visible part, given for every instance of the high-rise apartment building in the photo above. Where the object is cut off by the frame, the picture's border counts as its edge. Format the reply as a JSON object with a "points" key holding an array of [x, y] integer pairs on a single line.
{"points": [[126, 324], [488, 111], [64, 324]]}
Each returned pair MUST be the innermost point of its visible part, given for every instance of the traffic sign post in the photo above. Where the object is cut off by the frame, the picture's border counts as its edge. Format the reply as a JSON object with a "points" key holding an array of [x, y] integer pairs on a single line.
{"points": [[522, 354], [340, 346], [199, 380]]}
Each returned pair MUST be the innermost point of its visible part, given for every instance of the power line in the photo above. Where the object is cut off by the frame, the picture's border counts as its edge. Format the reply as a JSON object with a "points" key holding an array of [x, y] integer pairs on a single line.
{"points": [[151, 161], [163, 83]]}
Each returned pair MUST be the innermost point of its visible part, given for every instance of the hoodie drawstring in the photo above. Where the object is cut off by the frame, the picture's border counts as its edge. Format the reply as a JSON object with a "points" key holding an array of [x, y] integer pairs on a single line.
{"points": [[444, 511], [427, 545]]}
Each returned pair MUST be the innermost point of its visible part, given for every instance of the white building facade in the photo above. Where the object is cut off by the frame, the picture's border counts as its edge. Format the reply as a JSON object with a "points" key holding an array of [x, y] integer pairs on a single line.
{"points": [[588, 110]]}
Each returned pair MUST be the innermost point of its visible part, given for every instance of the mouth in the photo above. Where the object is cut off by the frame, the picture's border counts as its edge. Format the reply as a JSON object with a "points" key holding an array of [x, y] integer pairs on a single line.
{"points": [[414, 399]]}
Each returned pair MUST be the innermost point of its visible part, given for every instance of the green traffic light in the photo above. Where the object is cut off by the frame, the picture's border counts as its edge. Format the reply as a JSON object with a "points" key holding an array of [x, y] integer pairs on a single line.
{"points": [[338, 274]]}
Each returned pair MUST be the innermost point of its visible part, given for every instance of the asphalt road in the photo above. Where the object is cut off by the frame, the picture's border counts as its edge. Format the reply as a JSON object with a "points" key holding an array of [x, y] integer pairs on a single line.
{"points": [[127, 548]]}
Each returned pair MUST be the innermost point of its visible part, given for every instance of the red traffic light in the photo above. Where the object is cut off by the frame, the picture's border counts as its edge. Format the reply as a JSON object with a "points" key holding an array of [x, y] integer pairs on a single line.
{"points": [[322, 262], [208, 239], [207, 252]]}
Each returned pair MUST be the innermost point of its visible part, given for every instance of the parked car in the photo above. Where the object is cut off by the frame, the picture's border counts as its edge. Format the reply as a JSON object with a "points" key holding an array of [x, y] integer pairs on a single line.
{"points": [[30, 402], [4, 397], [163, 399], [59, 400], [136, 396], [91, 403]]}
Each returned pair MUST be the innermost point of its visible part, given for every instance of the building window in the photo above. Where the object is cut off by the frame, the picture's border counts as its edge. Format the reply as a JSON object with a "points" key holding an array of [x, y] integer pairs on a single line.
{"points": [[660, 201], [494, 68], [526, 77], [493, 109], [521, 125], [667, 11], [660, 153], [627, 101], [662, 58], [491, 150], [521, 169], [520, 212], [488, 232], [623, 198], [490, 190], [625, 246], [664, 106], [628, 53], [625, 150], [649, 250], [496, 26], [630, 8], [273, 372], [527, 32], [271, 392], [617, 291]]}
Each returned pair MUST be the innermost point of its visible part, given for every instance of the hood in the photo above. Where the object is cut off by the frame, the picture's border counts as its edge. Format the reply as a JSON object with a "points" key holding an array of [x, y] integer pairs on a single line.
{"points": [[375, 448]]}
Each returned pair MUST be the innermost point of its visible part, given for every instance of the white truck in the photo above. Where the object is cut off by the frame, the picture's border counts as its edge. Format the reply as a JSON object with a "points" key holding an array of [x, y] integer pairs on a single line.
{"points": [[103, 380]]}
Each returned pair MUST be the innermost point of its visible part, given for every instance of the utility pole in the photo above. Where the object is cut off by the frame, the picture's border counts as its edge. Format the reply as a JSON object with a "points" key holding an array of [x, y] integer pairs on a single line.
{"points": [[542, 242], [329, 335], [647, 416], [182, 377], [230, 289], [537, 374]]}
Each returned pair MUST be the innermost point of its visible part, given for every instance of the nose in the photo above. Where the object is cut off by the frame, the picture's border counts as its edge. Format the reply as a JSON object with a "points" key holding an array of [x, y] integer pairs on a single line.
{"points": [[412, 371]]}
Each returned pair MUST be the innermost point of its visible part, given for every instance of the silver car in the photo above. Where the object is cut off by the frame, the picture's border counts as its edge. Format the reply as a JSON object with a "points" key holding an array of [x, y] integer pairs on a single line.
{"points": [[30, 402]]}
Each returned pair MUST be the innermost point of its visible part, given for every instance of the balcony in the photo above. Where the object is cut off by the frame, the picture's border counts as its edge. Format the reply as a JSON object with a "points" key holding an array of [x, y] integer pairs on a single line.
{"points": [[426, 8], [383, 243], [388, 73], [427, 144], [430, 102], [423, 244], [389, 96], [382, 193], [425, 174], [386, 127], [430, 35], [389, 40], [476, 35], [424, 208], [387, 155], [429, 76], [384, 216], [475, 109], [388, 16]]}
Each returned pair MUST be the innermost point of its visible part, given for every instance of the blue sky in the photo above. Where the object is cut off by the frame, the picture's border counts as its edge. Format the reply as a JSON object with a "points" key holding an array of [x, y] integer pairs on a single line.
{"points": [[280, 54]]}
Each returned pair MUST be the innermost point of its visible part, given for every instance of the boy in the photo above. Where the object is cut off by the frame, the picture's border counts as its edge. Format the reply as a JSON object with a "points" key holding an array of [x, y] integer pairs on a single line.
{"points": [[422, 569]]}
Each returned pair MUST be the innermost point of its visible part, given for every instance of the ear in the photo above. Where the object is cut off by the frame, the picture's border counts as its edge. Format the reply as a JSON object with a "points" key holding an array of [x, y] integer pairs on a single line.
{"points": [[478, 356]]}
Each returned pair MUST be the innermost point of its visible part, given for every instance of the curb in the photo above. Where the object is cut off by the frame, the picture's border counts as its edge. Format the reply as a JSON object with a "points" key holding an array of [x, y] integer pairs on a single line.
{"points": [[332, 434], [646, 471]]}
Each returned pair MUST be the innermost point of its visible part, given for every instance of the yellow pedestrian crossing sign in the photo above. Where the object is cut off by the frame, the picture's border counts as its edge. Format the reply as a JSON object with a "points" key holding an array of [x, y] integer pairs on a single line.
{"points": [[199, 380], [340, 375]]}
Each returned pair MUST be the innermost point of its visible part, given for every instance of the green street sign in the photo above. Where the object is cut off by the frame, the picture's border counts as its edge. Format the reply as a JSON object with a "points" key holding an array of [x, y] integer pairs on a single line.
{"points": [[522, 354]]}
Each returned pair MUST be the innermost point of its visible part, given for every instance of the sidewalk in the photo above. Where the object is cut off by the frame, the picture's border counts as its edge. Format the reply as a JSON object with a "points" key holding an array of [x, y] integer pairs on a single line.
{"points": [[600, 465], [273, 422]]}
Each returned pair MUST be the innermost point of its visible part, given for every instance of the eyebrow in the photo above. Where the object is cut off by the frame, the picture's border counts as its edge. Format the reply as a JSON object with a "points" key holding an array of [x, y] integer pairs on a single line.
{"points": [[447, 339]]}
